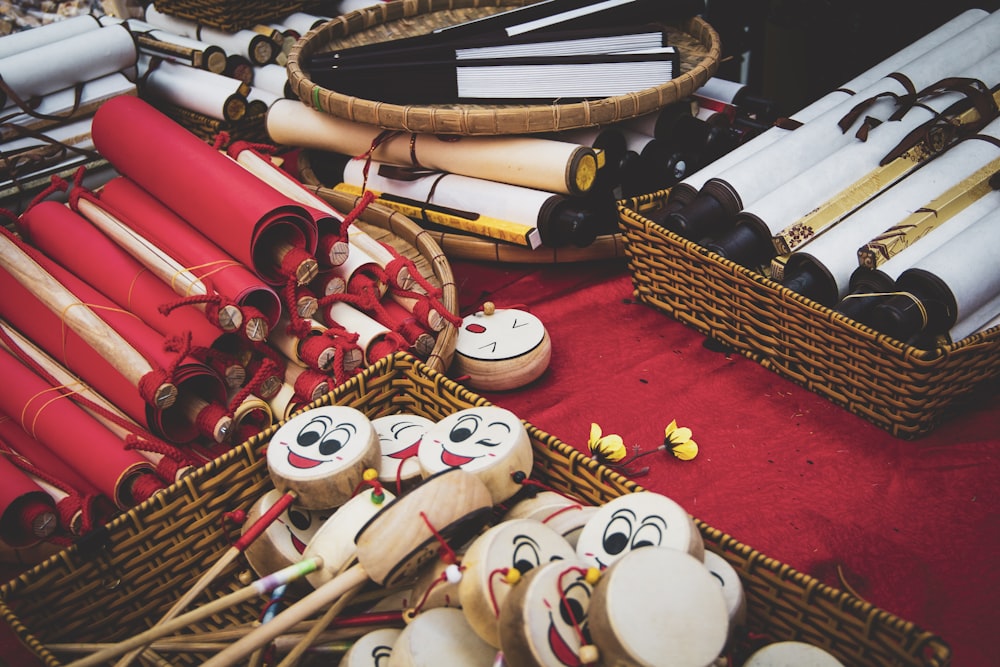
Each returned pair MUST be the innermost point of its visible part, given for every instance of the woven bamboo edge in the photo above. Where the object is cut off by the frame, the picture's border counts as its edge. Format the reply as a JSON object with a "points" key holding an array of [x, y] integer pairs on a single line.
{"points": [[784, 603], [233, 15], [465, 246], [870, 362], [484, 119]]}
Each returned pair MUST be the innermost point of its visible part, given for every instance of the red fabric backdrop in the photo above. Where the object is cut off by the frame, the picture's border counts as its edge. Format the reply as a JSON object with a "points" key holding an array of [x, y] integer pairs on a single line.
{"points": [[909, 526]]}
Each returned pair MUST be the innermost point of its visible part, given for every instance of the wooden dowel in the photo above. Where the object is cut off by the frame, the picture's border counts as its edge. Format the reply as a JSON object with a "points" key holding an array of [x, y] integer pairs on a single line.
{"points": [[259, 587], [183, 282], [82, 320]]}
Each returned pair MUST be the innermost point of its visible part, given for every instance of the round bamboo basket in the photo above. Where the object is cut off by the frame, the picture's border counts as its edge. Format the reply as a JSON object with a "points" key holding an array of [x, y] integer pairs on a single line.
{"points": [[697, 42]]}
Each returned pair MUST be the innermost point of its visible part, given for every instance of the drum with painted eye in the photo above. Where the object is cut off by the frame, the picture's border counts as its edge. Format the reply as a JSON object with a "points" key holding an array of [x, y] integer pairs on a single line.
{"points": [[373, 649], [732, 590], [488, 441], [439, 637], [321, 455], [658, 607], [563, 514], [399, 437], [285, 539], [496, 560], [634, 520], [501, 348], [543, 621]]}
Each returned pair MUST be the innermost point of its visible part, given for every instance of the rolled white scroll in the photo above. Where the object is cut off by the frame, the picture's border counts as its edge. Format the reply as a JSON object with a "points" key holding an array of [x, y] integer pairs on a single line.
{"points": [[545, 164], [692, 184], [822, 267], [67, 62]]}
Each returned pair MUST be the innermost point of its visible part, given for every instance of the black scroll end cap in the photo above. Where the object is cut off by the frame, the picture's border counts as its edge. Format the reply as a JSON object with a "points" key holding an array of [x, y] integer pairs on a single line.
{"points": [[576, 226], [899, 316], [811, 282], [701, 217], [744, 245]]}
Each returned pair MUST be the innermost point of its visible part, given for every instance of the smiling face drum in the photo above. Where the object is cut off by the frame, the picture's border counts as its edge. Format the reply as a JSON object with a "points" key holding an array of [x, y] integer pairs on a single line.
{"points": [[517, 544], [488, 441], [321, 455], [543, 620], [638, 520]]}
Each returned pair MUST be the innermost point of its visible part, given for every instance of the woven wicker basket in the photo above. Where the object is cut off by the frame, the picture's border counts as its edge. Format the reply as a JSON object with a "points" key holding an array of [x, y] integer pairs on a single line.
{"points": [[232, 15], [696, 40], [905, 390], [126, 577]]}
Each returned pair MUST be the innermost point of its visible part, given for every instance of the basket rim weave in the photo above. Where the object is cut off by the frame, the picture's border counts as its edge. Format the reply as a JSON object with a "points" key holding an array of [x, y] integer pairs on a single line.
{"points": [[483, 119]]}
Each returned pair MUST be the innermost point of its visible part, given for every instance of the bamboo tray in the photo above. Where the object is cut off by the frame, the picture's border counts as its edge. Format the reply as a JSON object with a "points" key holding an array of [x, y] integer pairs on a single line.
{"points": [[903, 389], [126, 577], [697, 41]]}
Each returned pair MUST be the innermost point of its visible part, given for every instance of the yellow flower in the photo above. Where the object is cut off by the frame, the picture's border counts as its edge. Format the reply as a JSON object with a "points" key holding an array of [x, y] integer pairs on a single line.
{"points": [[679, 442], [609, 447]]}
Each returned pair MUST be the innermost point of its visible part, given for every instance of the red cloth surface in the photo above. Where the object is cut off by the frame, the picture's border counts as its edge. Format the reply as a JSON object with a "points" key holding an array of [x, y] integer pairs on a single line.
{"points": [[912, 526], [909, 526]]}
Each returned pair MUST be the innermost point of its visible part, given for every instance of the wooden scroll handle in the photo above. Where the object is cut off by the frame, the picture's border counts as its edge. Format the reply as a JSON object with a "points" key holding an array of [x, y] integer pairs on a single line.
{"points": [[84, 322]]}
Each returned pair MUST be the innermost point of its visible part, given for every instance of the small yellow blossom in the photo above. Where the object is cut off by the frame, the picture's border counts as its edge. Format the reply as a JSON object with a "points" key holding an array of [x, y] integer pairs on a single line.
{"points": [[679, 442], [609, 447]]}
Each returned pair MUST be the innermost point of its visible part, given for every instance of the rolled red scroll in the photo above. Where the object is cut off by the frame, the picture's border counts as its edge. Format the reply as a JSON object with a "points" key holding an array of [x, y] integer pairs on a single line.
{"points": [[70, 239], [25, 310], [27, 513], [167, 231], [79, 505], [49, 415], [257, 225]]}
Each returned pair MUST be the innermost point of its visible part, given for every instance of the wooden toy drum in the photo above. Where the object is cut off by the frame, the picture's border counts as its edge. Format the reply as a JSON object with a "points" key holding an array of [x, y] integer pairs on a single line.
{"points": [[321, 455], [658, 606]]}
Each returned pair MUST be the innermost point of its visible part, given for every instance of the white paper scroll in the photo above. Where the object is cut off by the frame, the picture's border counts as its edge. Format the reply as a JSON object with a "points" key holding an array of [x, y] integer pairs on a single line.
{"points": [[489, 198], [252, 45], [544, 164], [47, 34], [836, 249], [986, 317], [695, 181], [889, 271], [63, 64], [163, 43], [967, 264], [852, 163], [61, 103], [272, 77], [744, 183], [213, 95]]}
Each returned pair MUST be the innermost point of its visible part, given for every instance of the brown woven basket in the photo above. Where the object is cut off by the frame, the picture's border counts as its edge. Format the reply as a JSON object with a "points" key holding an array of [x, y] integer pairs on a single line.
{"points": [[465, 246], [905, 390], [126, 577], [232, 15], [696, 40]]}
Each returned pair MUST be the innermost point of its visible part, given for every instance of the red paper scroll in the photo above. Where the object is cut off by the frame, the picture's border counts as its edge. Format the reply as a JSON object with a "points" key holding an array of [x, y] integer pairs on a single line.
{"points": [[27, 513], [36, 321], [53, 419], [229, 205], [148, 217], [74, 243]]}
